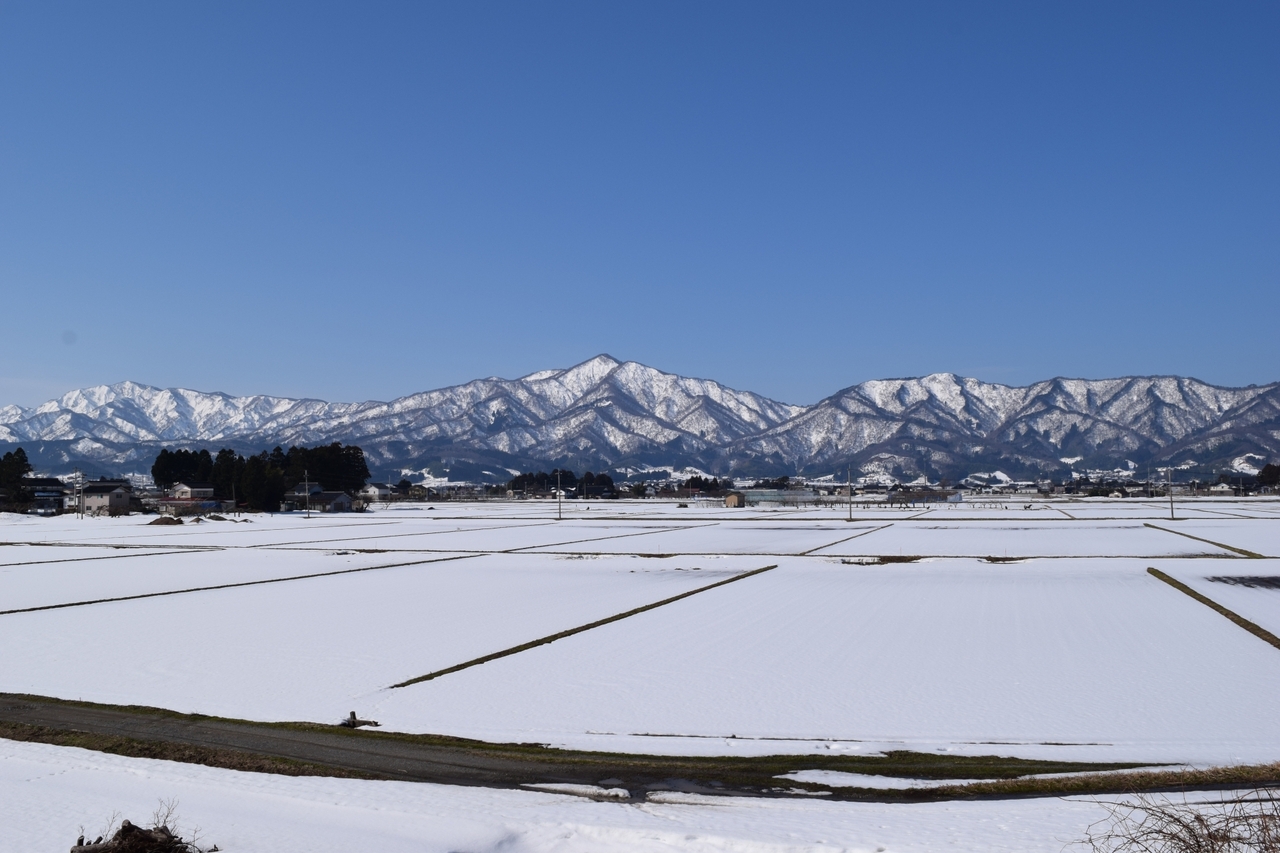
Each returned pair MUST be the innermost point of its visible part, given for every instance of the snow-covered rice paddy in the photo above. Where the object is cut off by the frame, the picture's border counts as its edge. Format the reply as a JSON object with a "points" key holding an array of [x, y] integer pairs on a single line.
{"points": [[1032, 630], [1065, 639]]}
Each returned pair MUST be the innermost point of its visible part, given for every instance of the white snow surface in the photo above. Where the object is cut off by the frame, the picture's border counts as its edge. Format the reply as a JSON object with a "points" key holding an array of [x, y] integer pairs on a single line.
{"points": [[50, 792], [1063, 647], [1069, 650]]}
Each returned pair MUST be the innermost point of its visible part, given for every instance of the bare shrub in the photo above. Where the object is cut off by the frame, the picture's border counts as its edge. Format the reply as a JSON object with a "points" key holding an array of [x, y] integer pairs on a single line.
{"points": [[125, 837], [1149, 823]]}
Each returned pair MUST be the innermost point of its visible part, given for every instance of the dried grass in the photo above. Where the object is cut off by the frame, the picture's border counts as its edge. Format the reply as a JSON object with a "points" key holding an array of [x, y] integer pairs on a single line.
{"points": [[1146, 823]]}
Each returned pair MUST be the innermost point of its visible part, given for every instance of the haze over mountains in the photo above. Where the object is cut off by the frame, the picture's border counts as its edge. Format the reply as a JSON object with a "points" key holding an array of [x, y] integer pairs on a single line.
{"points": [[609, 415]]}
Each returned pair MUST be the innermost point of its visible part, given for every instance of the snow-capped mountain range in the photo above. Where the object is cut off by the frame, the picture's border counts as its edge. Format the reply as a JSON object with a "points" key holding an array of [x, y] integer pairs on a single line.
{"points": [[605, 414]]}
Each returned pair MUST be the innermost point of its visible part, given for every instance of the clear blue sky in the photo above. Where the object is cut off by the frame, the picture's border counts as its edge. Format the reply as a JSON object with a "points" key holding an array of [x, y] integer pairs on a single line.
{"points": [[359, 201]]}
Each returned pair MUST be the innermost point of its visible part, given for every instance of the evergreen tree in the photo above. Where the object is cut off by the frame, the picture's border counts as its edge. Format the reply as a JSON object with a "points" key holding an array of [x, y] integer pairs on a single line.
{"points": [[14, 467]]}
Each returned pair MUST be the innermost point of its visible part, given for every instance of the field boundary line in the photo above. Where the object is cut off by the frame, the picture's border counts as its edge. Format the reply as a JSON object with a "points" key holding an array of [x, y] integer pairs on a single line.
{"points": [[163, 593], [1253, 555], [301, 542], [551, 638], [844, 540], [1224, 512], [116, 546], [1252, 627], [165, 553], [676, 529], [210, 532]]}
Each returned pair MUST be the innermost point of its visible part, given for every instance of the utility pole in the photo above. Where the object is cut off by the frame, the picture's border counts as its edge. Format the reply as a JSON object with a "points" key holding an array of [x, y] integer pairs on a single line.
{"points": [[306, 485], [849, 478], [559, 498], [1171, 518]]}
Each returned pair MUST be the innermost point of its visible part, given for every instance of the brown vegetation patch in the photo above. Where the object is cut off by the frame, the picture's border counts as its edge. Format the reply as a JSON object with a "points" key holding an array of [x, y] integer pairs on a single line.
{"points": [[229, 759], [1182, 779]]}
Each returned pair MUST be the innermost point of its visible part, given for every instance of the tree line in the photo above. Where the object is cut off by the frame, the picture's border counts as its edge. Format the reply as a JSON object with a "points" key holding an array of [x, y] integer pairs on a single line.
{"points": [[706, 484], [602, 485], [259, 482], [590, 484]]}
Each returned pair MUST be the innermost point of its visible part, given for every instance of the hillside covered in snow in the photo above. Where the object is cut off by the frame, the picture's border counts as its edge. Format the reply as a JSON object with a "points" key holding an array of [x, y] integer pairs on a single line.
{"points": [[605, 414]]}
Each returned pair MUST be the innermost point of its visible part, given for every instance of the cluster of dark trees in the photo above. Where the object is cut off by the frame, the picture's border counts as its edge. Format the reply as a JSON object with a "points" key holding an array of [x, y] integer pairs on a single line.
{"points": [[1269, 475], [685, 488], [782, 483], [13, 468], [259, 482], [542, 481], [589, 485], [704, 484]]}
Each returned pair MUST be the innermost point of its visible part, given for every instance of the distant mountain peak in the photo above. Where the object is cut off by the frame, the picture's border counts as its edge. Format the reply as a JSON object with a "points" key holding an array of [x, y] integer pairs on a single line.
{"points": [[604, 413]]}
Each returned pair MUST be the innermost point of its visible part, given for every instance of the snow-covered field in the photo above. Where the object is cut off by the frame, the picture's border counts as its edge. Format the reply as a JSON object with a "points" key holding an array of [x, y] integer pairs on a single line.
{"points": [[50, 792], [1064, 647]]}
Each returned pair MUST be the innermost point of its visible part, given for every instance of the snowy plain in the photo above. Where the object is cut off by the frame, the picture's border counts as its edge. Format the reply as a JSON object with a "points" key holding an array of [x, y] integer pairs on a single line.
{"points": [[49, 793], [1064, 647]]}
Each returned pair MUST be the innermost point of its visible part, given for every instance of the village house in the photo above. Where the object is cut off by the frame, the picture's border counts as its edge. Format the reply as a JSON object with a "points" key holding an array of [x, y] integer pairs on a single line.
{"points": [[48, 495], [302, 496], [192, 491], [331, 502], [301, 490], [104, 499], [375, 492]]}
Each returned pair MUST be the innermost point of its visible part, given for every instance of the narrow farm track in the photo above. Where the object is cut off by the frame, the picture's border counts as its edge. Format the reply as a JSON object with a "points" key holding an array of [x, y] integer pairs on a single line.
{"points": [[457, 761]]}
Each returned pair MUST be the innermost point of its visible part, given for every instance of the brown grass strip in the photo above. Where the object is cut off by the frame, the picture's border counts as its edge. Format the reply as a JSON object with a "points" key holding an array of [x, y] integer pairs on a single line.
{"points": [[229, 759], [1255, 629], [569, 633], [1253, 555], [1245, 776]]}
